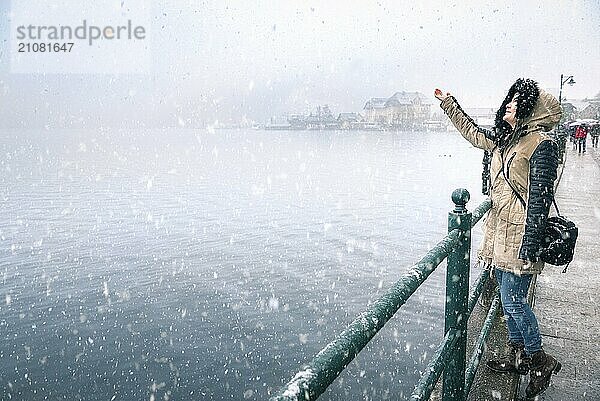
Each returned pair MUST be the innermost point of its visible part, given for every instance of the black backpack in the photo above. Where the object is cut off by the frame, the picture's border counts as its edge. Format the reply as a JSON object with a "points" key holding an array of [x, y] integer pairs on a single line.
{"points": [[559, 241], [560, 236]]}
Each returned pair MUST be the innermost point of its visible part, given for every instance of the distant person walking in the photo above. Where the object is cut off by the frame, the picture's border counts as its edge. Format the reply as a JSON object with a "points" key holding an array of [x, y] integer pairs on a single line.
{"points": [[594, 133], [572, 131], [580, 138], [523, 170]]}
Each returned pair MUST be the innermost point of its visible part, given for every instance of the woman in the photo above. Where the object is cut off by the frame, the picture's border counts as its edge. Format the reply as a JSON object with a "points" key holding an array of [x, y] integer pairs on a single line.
{"points": [[523, 169]]}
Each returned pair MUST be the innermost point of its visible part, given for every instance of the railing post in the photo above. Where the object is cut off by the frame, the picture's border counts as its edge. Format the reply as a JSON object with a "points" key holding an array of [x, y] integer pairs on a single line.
{"points": [[457, 297]]}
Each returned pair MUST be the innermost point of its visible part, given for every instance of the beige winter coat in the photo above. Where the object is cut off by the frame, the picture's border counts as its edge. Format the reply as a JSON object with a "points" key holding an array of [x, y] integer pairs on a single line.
{"points": [[505, 223]]}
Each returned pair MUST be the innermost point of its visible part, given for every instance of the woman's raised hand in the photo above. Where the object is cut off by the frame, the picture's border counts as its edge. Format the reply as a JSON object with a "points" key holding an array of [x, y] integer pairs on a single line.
{"points": [[440, 95]]}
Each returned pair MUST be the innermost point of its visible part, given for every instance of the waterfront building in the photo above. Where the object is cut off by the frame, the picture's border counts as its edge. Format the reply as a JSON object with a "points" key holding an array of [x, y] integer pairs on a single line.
{"points": [[483, 116], [349, 120], [318, 119], [376, 111], [402, 109]]}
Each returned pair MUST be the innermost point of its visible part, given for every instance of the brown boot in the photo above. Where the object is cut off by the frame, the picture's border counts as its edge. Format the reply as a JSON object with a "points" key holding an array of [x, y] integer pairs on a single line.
{"points": [[542, 367], [515, 361]]}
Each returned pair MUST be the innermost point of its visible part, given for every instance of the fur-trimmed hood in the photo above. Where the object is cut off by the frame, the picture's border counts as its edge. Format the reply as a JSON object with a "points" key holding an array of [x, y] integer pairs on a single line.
{"points": [[546, 113], [535, 108], [528, 95]]}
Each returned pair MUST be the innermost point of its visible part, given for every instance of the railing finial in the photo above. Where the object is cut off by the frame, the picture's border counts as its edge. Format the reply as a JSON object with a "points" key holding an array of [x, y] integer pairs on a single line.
{"points": [[460, 197]]}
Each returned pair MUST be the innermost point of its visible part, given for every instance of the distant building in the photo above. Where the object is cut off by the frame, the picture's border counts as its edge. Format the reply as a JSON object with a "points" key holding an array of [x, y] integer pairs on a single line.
{"points": [[376, 111], [297, 121], [320, 118], [483, 116], [399, 110], [569, 111], [591, 109], [349, 120]]}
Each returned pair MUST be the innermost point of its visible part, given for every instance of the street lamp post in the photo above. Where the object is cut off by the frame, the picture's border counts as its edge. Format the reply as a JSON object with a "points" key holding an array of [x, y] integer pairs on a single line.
{"points": [[561, 135], [564, 80]]}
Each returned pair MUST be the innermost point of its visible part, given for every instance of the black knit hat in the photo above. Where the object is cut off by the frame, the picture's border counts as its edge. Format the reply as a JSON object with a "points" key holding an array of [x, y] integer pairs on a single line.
{"points": [[529, 93]]}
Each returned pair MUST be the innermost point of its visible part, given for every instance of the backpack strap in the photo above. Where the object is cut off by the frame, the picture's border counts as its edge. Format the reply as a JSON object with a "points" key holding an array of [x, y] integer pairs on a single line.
{"points": [[557, 212], [509, 183], [518, 194]]}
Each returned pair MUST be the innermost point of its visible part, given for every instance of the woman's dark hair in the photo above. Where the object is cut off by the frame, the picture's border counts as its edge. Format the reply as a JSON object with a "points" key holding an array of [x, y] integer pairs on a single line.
{"points": [[529, 93]]}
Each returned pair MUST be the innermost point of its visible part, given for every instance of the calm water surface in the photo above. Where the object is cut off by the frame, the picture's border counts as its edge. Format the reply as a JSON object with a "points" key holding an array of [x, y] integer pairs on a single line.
{"points": [[194, 264]]}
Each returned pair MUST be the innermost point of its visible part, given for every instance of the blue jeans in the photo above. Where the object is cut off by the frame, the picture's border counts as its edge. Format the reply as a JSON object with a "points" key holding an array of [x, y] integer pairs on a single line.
{"points": [[522, 324]]}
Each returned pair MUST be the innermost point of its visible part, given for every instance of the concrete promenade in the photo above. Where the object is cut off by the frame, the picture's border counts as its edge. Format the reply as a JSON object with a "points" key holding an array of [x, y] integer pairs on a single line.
{"points": [[568, 305]]}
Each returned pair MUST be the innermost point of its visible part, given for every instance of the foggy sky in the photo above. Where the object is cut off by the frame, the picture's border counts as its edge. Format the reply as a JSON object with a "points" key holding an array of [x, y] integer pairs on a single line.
{"points": [[231, 60]]}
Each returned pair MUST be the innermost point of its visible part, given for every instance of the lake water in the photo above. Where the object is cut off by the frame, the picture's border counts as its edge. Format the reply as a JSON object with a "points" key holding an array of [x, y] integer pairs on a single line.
{"points": [[195, 264]]}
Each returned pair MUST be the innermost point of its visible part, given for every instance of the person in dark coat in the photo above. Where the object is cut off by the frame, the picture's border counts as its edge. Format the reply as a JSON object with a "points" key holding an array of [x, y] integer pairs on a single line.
{"points": [[523, 170], [594, 133]]}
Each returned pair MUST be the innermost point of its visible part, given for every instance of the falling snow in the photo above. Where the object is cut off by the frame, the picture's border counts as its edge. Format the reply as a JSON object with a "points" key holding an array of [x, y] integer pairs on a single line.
{"points": [[156, 243], [186, 281]]}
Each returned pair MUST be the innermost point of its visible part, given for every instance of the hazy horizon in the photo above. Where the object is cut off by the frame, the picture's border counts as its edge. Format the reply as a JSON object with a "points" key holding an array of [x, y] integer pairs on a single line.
{"points": [[235, 60]]}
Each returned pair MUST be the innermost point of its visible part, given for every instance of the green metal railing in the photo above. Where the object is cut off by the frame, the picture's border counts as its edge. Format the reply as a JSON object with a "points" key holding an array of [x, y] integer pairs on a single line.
{"points": [[450, 358]]}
